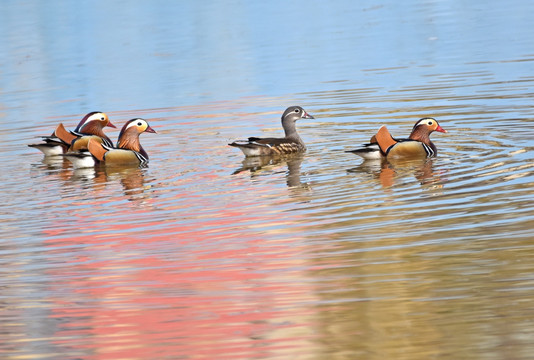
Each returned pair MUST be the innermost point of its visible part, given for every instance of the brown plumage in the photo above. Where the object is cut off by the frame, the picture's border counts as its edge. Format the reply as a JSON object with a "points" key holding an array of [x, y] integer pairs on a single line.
{"points": [[291, 143], [90, 127], [96, 149], [418, 144], [80, 144], [64, 135], [129, 150], [63, 141]]}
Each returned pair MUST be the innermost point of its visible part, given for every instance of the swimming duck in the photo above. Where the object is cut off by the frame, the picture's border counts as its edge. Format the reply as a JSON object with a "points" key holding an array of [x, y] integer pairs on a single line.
{"points": [[291, 143], [127, 152], [51, 146], [62, 140], [418, 144]]}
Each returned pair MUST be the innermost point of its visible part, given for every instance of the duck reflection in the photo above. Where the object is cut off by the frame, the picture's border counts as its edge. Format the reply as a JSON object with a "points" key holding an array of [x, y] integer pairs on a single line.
{"points": [[53, 164], [131, 178], [388, 170], [260, 164], [87, 175]]}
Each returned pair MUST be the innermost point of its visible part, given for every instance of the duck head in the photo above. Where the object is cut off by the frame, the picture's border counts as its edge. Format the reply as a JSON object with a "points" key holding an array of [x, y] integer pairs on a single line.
{"points": [[428, 125], [293, 113], [93, 123], [129, 135]]}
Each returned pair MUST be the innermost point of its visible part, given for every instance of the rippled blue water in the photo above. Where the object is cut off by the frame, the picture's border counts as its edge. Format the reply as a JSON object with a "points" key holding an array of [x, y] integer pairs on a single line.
{"points": [[321, 256]]}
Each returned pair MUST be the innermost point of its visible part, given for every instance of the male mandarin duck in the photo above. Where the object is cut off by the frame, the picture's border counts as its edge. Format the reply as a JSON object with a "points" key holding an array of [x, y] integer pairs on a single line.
{"points": [[51, 146], [291, 143], [128, 151], [418, 144], [90, 127]]}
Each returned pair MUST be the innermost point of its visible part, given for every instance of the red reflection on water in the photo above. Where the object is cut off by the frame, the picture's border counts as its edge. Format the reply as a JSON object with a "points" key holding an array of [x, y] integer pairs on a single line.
{"points": [[211, 289]]}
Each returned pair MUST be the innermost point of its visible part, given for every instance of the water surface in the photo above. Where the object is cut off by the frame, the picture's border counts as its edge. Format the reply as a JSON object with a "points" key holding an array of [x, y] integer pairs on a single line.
{"points": [[204, 254]]}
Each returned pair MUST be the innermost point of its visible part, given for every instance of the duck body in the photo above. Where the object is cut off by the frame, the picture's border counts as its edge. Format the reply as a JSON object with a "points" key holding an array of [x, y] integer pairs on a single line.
{"points": [[90, 127], [418, 145], [81, 160], [63, 141], [115, 156], [128, 151], [51, 146], [269, 146], [369, 151], [290, 144]]}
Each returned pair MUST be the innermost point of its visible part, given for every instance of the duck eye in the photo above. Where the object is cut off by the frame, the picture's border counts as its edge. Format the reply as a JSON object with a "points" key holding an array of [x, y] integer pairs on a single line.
{"points": [[102, 119], [429, 123], [139, 123], [297, 110]]}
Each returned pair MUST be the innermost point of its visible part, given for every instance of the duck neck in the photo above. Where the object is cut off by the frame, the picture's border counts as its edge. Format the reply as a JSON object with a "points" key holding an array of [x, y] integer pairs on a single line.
{"points": [[290, 130], [422, 135], [129, 140], [93, 128]]}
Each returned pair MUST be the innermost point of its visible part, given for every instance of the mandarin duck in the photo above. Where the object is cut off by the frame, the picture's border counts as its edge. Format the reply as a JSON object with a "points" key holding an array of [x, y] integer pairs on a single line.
{"points": [[418, 144], [61, 141], [127, 152], [291, 143]]}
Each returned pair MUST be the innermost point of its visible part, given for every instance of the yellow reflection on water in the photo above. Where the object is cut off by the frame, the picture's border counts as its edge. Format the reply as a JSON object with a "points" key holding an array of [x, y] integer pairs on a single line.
{"points": [[405, 302]]}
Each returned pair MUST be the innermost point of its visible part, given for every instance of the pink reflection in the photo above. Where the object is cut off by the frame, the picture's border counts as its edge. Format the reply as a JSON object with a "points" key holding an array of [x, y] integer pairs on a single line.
{"points": [[212, 288]]}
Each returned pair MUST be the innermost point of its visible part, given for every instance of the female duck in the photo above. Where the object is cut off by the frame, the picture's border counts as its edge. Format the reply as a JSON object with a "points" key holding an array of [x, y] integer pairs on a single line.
{"points": [[291, 143]]}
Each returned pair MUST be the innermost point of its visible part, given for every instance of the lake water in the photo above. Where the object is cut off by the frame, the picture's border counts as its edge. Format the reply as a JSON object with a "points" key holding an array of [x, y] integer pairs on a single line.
{"points": [[203, 255]]}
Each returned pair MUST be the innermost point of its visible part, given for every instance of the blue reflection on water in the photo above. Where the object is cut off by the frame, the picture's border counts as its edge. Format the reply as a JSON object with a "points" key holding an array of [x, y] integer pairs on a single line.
{"points": [[153, 54]]}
